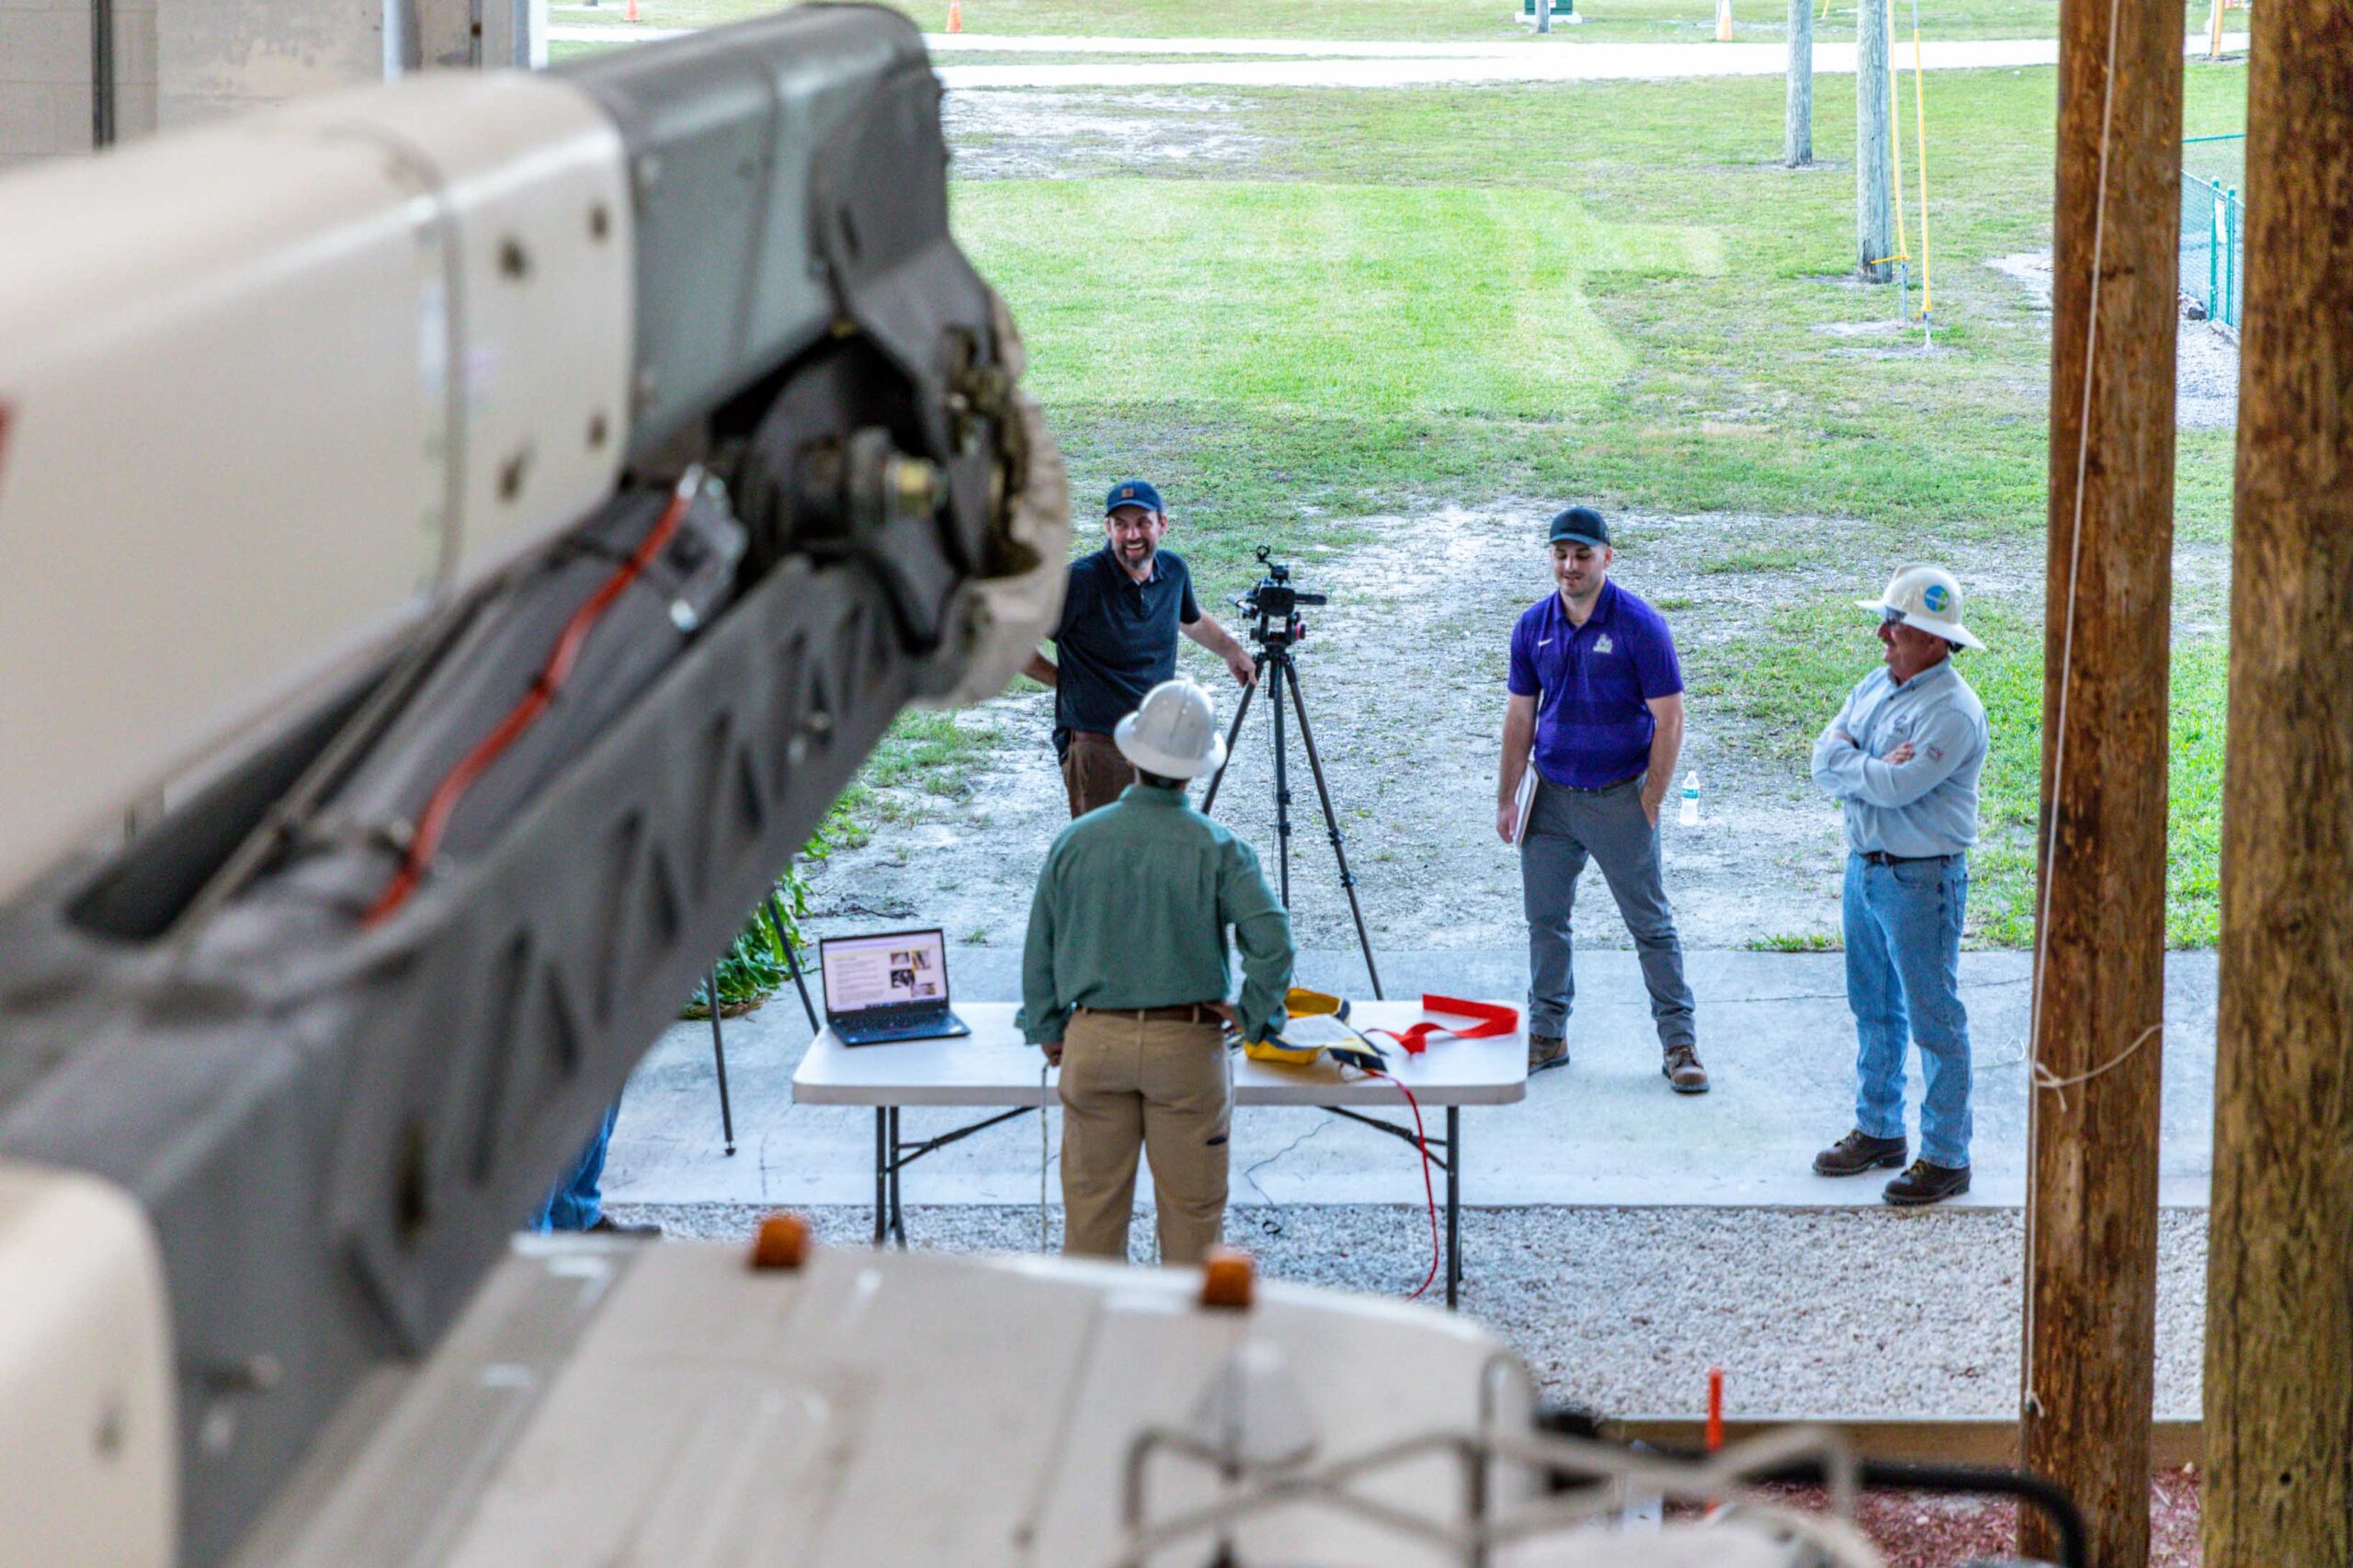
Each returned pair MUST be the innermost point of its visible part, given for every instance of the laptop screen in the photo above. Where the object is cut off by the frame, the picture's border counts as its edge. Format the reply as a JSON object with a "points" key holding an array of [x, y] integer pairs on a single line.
{"points": [[899, 969]]}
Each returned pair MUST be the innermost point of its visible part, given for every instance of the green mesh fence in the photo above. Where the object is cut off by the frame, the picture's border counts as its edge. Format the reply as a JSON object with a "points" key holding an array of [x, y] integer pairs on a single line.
{"points": [[2213, 225]]}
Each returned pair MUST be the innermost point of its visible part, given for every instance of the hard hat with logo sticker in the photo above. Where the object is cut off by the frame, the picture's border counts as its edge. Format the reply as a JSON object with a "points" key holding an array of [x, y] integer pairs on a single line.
{"points": [[1174, 734], [1927, 597]]}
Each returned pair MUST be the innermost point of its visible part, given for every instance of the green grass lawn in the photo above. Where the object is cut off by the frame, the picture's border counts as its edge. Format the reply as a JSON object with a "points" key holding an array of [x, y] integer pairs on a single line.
{"points": [[1690, 355], [1420, 21]]}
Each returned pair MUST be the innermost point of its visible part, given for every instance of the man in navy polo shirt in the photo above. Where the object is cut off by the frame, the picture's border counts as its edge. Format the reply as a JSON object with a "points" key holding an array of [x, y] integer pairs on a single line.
{"points": [[1596, 708], [1117, 640]]}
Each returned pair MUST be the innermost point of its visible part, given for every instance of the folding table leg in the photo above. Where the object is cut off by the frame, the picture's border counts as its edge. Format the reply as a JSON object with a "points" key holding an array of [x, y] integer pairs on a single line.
{"points": [[1454, 1193], [719, 1060], [898, 1213], [881, 1171]]}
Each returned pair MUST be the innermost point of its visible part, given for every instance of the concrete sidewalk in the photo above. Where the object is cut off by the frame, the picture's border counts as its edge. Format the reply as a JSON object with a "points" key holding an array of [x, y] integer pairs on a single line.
{"points": [[1340, 63], [1773, 1029]]}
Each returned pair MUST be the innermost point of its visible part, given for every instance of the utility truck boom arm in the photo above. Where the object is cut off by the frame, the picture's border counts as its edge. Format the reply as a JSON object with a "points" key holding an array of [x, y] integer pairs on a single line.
{"points": [[496, 514]]}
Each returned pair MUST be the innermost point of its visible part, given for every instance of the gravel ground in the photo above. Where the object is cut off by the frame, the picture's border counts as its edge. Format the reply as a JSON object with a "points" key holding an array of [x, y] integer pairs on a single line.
{"points": [[1012, 134], [1855, 1312], [1920, 1531], [1403, 676]]}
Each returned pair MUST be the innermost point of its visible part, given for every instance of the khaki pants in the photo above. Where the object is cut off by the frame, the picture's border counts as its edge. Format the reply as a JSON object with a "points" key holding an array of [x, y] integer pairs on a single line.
{"points": [[1158, 1084], [1093, 772]]}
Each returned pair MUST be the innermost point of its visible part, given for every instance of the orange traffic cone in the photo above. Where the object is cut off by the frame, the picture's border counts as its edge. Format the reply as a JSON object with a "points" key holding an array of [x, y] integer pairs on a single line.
{"points": [[954, 16], [630, 15], [1724, 22]]}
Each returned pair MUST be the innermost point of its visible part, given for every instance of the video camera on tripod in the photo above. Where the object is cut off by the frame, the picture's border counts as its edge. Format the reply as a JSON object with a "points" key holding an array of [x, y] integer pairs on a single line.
{"points": [[1275, 602]]}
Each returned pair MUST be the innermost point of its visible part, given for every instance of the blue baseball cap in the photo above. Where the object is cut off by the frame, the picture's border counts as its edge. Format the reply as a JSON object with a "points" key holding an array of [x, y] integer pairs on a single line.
{"points": [[1133, 493], [1581, 524]]}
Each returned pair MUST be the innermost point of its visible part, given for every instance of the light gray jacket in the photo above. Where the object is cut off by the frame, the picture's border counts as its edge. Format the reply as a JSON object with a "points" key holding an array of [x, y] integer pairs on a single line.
{"points": [[1928, 804]]}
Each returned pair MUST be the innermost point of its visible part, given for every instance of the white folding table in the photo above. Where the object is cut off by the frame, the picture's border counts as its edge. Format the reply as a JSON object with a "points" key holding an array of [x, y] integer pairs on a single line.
{"points": [[994, 1066]]}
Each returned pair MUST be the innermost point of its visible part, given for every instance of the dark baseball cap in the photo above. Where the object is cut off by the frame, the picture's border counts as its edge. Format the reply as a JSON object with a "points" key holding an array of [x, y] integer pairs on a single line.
{"points": [[1582, 524], [1133, 493]]}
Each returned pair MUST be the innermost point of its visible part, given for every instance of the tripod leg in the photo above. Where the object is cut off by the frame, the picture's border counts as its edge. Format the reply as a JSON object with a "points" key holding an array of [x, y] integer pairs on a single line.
{"points": [[1277, 667], [793, 965], [1332, 822], [1232, 733]]}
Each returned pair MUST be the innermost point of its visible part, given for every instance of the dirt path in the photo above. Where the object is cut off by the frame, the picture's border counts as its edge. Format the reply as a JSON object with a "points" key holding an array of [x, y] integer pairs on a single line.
{"points": [[2206, 360], [1403, 676]]}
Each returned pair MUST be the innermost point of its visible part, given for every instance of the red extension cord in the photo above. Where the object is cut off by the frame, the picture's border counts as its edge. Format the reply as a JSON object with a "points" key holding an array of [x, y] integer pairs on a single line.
{"points": [[1430, 1192], [438, 807]]}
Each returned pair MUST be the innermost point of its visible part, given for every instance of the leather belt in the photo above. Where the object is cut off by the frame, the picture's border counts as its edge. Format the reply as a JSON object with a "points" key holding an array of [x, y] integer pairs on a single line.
{"points": [[1597, 788], [1182, 1012], [1882, 858]]}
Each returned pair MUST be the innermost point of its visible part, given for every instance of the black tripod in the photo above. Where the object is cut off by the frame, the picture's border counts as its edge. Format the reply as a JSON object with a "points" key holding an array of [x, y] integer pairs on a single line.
{"points": [[1275, 634]]}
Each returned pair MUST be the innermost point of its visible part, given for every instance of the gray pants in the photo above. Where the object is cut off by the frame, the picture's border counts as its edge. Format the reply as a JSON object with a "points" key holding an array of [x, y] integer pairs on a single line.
{"points": [[1566, 827]]}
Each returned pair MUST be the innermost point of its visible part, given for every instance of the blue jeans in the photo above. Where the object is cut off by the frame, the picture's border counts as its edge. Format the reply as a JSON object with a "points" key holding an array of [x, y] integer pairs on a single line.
{"points": [[576, 1201], [1903, 983]]}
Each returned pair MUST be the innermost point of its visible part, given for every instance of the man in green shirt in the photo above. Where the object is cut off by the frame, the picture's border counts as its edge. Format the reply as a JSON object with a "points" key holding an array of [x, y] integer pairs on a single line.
{"points": [[1123, 983]]}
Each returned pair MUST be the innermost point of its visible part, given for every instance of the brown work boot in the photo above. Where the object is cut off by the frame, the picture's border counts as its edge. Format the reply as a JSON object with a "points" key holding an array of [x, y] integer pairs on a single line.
{"points": [[1682, 1070], [1857, 1152], [1926, 1183], [1546, 1051]]}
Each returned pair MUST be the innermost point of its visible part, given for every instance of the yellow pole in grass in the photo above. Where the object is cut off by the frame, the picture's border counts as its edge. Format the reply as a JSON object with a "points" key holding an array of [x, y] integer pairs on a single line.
{"points": [[1920, 149]]}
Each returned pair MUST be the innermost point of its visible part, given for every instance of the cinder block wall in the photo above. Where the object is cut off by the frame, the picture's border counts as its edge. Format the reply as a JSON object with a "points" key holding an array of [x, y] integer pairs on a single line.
{"points": [[44, 79], [218, 56], [183, 62]]}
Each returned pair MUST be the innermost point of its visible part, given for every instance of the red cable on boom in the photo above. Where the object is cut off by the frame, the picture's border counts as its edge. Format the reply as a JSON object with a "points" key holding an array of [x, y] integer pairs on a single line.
{"points": [[434, 821]]}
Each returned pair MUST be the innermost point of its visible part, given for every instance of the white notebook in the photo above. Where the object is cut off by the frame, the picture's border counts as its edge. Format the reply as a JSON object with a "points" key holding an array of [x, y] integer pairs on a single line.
{"points": [[1524, 801]]}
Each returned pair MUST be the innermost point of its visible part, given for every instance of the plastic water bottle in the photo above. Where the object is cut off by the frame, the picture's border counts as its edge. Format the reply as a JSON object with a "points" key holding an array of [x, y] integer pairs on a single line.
{"points": [[1690, 816]]}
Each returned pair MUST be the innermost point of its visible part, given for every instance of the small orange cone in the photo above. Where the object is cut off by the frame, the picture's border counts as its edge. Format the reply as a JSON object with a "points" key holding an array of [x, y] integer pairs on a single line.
{"points": [[630, 15], [954, 16], [1724, 22]]}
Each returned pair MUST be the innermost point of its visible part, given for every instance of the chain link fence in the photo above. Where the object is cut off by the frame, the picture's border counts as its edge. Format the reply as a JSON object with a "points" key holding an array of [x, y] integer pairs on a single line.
{"points": [[2213, 225]]}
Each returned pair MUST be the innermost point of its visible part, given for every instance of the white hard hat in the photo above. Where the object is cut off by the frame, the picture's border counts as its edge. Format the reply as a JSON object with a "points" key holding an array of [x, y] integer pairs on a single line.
{"points": [[1174, 734], [1927, 597]]}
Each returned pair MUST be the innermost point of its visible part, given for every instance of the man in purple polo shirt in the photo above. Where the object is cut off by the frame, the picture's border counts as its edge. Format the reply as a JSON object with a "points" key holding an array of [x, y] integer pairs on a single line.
{"points": [[1596, 708]]}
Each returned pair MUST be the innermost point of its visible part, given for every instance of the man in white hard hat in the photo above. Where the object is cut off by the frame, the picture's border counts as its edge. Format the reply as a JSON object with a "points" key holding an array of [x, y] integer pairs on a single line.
{"points": [[1903, 756], [1123, 983]]}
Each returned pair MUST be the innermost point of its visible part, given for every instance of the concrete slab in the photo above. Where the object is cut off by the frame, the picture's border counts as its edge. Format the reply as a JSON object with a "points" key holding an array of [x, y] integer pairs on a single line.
{"points": [[1774, 1031], [1335, 62]]}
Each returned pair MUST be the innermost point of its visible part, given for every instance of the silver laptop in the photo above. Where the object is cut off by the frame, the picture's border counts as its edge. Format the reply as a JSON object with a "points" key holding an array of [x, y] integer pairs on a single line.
{"points": [[890, 987]]}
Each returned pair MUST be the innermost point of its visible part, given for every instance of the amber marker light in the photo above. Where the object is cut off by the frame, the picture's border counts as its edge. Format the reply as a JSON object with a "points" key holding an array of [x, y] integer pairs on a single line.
{"points": [[1229, 1279], [784, 1242]]}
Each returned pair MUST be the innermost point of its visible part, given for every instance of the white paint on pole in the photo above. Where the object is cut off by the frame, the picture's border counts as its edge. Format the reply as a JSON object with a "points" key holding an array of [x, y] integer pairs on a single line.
{"points": [[1797, 127]]}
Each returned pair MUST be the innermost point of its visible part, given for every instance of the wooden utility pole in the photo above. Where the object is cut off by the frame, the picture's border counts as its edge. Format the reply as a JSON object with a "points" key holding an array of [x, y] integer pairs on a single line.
{"points": [[1874, 155], [1797, 119], [2090, 1352], [2279, 1265]]}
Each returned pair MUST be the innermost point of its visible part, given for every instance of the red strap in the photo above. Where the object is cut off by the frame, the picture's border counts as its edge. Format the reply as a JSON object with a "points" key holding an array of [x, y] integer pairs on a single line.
{"points": [[1493, 1018]]}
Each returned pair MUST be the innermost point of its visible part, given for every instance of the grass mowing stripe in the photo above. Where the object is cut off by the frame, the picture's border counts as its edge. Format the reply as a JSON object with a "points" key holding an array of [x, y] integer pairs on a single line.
{"points": [[1350, 301]]}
